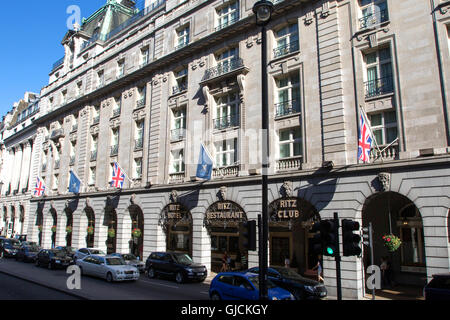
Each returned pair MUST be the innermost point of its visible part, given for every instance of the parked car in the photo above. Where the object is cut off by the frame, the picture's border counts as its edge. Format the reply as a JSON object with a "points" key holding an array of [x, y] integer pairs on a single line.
{"points": [[53, 259], [438, 288], [177, 265], [108, 267], [131, 260], [9, 247], [84, 252], [69, 250], [243, 286], [21, 237], [30, 243], [301, 287], [27, 253]]}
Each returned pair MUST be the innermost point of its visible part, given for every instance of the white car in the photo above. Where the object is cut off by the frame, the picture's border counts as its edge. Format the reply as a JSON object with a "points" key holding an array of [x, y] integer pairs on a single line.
{"points": [[84, 252], [108, 267]]}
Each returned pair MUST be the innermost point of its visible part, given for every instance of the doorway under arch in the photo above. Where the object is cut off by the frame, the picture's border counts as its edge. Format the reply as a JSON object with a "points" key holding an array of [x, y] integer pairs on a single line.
{"points": [[111, 223], [137, 231], [90, 230]]}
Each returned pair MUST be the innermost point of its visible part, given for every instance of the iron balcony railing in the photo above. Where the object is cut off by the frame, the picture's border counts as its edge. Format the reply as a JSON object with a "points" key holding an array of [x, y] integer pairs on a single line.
{"points": [[140, 103], [379, 87], [177, 134], [57, 64], [114, 150], [96, 120], [179, 88], [181, 45], [286, 49], [373, 19], [138, 144], [94, 155], [228, 23], [116, 112], [287, 108], [226, 122], [224, 68], [57, 134]]}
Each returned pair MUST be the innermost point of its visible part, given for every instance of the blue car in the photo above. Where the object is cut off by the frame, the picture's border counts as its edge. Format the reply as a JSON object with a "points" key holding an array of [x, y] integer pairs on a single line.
{"points": [[243, 286]]}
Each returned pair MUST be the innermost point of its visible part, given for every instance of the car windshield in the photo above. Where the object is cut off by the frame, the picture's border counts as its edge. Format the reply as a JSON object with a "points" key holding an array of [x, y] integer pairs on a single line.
{"points": [[59, 254], [182, 258], [255, 281], [129, 257], [289, 274], [115, 261], [99, 252]]}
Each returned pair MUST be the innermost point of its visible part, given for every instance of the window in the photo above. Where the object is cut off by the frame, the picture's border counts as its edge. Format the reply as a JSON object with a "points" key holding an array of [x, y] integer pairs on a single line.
{"points": [[384, 127], [177, 157], [64, 97], [178, 123], [79, 89], [378, 72], [227, 111], [181, 80], [120, 68], [115, 142], [286, 40], [92, 175], [373, 12], [145, 56], [96, 115], [225, 59], [55, 182], [182, 38], [290, 143], [288, 95], [100, 79], [227, 15], [226, 153], [117, 106], [138, 168], [142, 95], [139, 135]]}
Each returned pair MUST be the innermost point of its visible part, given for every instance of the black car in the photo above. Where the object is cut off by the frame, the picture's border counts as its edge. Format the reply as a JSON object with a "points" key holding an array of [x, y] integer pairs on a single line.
{"points": [[53, 259], [27, 253], [438, 288], [178, 265], [9, 247], [69, 250], [301, 287]]}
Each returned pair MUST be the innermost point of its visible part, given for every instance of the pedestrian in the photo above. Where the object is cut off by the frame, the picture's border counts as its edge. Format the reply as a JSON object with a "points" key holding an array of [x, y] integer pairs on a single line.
{"points": [[385, 267], [224, 262], [319, 269], [287, 262]]}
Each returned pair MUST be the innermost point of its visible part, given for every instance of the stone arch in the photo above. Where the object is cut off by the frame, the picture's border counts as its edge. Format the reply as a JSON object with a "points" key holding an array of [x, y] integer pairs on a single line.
{"points": [[87, 220], [53, 228], [13, 219], [177, 224], [67, 218], [110, 220], [39, 224], [136, 243]]}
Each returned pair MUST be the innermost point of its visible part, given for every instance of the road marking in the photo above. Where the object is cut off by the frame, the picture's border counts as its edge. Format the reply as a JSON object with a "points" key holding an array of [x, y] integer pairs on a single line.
{"points": [[160, 284], [204, 292]]}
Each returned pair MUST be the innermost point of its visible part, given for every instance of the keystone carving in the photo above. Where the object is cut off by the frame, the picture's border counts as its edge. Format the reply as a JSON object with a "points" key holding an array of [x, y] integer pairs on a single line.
{"points": [[385, 181], [286, 189]]}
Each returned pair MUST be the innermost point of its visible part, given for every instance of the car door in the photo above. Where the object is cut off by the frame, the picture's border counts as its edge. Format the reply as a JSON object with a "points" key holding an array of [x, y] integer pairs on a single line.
{"points": [[225, 287], [243, 290], [100, 267], [165, 264], [86, 265]]}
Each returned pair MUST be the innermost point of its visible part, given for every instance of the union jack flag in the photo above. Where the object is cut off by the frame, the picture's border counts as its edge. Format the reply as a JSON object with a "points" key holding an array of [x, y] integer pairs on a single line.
{"points": [[364, 141], [118, 176], [39, 188]]}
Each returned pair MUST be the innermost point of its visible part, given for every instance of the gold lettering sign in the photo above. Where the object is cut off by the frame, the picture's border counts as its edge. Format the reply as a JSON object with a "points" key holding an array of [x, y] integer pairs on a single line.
{"points": [[224, 211], [285, 209]]}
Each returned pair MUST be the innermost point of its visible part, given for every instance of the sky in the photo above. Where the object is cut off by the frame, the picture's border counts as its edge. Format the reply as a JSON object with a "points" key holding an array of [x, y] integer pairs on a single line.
{"points": [[31, 32]]}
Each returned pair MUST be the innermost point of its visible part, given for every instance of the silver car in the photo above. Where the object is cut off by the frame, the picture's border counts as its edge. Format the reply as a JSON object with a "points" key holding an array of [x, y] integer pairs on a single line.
{"points": [[84, 252], [108, 267], [131, 260]]}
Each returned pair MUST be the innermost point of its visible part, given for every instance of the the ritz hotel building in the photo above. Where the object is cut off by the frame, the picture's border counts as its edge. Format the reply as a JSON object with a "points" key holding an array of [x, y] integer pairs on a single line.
{"points": [[146, 87]]}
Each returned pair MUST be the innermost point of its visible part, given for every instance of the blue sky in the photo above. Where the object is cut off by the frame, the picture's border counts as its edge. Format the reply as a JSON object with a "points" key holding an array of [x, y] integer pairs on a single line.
{"points": [[31, 33]]}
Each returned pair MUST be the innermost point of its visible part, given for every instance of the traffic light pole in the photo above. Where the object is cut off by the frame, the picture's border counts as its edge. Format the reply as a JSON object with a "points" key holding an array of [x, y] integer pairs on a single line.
{"points": [[338, 259]]}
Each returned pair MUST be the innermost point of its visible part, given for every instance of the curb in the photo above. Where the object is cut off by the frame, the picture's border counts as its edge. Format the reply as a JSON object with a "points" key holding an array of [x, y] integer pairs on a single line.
{"points": [[45, 286]]}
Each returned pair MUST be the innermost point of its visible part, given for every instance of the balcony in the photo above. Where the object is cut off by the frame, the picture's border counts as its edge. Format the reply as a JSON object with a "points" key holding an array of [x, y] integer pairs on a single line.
{"points": [[96, 120], [286, 49], [182, 87], [138, 144], [288, 164], [181, 46], [231, 171], [93, 155], [177, 135], [224, 68], [378, 87], [58, 64], [373, 19], [177, 177], [140, 104], [116, 112], [386, 152], [226, 24], [287, 108], [114, 150], [56, 134], [226, 122]]}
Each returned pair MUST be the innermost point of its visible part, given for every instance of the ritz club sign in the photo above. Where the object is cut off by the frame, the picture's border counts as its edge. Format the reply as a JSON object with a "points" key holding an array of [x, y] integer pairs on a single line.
{"points": [[285, 209]]}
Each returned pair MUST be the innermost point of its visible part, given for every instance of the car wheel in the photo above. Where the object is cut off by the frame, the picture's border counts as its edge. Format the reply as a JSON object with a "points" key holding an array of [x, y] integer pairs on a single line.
{"points": [[109, 277], [151, 273], [215, 296], [179, 278]]}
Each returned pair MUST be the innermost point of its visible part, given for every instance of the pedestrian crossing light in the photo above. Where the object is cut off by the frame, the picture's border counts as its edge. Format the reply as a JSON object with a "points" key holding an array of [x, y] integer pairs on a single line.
{"points": [[247, 234], [351, 241]]}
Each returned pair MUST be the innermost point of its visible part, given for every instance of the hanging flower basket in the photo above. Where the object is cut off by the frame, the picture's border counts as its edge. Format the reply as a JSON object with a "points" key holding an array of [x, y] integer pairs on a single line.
{"points": [[69, 229], [391, 242], [40, 228], [53, 229], [111, 233], [137, 233], [90, 230]]}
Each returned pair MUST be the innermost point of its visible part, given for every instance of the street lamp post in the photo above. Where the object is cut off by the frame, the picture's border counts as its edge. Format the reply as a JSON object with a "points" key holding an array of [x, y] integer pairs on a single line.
{"points": [[263, 11]]}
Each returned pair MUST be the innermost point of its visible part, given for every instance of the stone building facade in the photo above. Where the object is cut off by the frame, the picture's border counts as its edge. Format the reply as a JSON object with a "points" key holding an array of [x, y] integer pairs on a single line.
{"points": [[147, 88]]}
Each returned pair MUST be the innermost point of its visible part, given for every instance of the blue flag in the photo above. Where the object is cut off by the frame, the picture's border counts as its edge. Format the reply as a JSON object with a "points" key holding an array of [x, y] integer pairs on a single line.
{"points": [[74, 184], [205, 164]]}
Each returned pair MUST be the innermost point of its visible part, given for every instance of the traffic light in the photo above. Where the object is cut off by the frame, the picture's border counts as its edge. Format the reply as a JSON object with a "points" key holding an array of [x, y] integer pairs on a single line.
{"points": [[325, 241], [330, 239], [351, 241], [247, 233]]}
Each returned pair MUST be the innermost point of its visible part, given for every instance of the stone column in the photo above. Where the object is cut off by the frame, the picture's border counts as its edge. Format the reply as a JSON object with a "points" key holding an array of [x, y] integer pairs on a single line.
{"points": [[26, 164], [17, 168]]}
